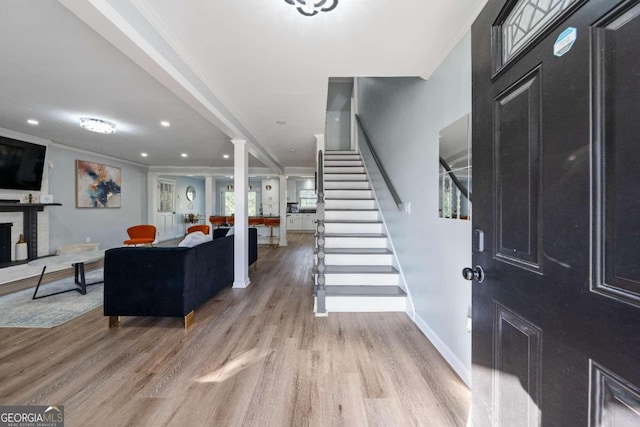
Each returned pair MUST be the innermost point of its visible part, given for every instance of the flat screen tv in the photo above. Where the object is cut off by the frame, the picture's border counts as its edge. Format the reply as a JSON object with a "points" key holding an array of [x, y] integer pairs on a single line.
{"points": [[21, 164]]}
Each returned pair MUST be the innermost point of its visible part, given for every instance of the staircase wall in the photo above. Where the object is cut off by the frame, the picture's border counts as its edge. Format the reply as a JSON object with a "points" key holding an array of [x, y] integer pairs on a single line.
{"points": [[403, 117]]}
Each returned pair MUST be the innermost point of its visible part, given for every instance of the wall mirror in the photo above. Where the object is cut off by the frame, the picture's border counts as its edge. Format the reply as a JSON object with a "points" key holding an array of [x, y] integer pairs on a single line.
{"points": [[191, 193], [455, 170]]}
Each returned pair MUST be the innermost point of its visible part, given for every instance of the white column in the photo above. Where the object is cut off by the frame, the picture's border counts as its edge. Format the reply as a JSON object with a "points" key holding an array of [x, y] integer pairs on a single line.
{"points": [[209, 198], [152, 198], [241, 214], [283, 210]]}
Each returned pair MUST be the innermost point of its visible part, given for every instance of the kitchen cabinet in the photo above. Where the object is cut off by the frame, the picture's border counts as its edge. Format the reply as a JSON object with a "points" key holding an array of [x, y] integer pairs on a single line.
{"points": [[294, 222], [301, 222], [309, 222]]}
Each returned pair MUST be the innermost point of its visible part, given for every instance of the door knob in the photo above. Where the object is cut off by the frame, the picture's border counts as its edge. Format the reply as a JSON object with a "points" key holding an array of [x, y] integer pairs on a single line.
{"points": [[476, 273]]}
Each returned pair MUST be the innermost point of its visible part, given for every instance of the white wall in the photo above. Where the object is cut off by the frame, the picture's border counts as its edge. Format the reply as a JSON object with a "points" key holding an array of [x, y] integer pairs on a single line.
{"points": [[403, 117], [338, 129], [182, 204], [68, 224]]}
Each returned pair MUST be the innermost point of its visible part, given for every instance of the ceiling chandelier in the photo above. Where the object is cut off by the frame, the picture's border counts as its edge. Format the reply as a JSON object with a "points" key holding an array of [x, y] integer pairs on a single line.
{"points": [[97, 125], [312, 7]]}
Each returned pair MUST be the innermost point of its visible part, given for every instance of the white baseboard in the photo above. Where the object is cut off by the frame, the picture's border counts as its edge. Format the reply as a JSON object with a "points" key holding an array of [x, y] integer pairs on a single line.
{"points": [[463, 372], [241, 284]]}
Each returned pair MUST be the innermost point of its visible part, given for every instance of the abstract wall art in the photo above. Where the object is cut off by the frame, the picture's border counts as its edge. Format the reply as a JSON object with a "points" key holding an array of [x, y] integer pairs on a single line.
{"points": [[97, 186]]}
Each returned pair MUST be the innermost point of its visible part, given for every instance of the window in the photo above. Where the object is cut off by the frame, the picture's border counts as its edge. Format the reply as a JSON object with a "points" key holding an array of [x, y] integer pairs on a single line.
{"points": [[166, 189], [526, 20], [229, 198], [308, 199]]}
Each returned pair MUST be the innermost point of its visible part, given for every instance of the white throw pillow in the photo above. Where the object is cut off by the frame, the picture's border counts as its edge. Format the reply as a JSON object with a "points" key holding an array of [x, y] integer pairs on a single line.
{"points": [[194, 239], [230, 232]]}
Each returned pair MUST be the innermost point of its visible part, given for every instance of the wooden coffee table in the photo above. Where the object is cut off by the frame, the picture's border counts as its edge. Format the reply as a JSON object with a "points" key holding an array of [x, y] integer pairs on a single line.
{"points": [[77, 260]]}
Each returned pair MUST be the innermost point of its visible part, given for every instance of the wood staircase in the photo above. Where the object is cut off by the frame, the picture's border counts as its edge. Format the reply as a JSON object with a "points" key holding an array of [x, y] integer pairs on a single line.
{"points": [[359, 267]]}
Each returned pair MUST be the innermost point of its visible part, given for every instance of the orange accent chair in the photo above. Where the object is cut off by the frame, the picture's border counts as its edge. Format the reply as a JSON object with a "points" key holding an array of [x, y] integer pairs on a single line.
{"points": [[141, 235], [200, 227]]}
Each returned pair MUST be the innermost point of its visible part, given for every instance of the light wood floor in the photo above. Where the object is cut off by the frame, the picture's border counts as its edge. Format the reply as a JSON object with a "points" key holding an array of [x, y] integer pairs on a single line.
{"points": [[254, 357]]}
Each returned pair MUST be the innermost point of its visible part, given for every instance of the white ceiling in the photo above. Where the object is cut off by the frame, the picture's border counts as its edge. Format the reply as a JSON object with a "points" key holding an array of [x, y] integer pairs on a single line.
{"points": [[215, 69]]}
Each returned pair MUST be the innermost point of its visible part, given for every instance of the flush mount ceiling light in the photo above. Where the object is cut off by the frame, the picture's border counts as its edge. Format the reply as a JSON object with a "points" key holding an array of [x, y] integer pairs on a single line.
{"points": [[184, 155], [165, 123], [33, 122], [312, 7], [144, 154], [97, 125], [225, 156]]}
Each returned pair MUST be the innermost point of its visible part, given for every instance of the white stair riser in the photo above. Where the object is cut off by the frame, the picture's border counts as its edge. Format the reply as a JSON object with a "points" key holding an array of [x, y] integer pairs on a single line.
{"points": [[346, 177], [364, 304], [348, 194], [341, 152], [351, 215], [355, 242], [362, 279], [361, 227], [349, 204], [329, 163], [346, 185], [345, 169], [358, 259], [333, 157]]}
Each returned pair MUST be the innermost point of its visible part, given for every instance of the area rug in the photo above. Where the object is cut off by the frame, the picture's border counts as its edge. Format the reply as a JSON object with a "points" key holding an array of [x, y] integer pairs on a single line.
{"points": [[18, 310]]}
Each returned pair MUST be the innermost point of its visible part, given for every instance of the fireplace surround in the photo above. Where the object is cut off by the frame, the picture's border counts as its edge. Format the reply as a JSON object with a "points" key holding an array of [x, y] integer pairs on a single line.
{"points": [[5, 242]]}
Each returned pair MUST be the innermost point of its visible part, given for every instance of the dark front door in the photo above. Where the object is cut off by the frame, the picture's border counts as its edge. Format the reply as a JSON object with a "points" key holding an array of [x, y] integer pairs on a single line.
{"points": [[556, 213]]}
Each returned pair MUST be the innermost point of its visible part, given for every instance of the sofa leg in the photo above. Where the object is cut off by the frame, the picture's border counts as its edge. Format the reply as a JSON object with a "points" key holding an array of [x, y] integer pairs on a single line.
{"points": [[188, 319], [114, 321]]}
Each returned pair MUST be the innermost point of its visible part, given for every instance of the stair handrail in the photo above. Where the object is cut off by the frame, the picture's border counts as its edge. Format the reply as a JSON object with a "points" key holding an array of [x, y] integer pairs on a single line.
{"points": [[386, 178], [320, 239], [465, 192]]}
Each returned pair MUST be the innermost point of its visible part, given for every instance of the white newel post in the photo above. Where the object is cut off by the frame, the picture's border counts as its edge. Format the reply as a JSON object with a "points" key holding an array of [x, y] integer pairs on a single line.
{"points": [[241, 214], [283, 210]]}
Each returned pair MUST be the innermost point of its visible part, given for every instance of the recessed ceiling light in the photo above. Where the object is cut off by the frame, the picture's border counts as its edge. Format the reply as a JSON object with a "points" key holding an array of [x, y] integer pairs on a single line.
{"points": [[225, 156], [144, 154], [165, 123], [292, 150], [184, 155], [33, 122], [281, 122], [97, 125]]}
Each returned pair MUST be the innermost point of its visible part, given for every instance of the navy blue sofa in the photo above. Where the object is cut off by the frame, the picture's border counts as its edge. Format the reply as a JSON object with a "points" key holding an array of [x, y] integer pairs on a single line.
{"points": [[168, 282]]}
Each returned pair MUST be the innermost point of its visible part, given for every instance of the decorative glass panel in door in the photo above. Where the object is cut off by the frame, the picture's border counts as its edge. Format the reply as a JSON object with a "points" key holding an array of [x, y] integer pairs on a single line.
{"points": [[527, 19]]}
